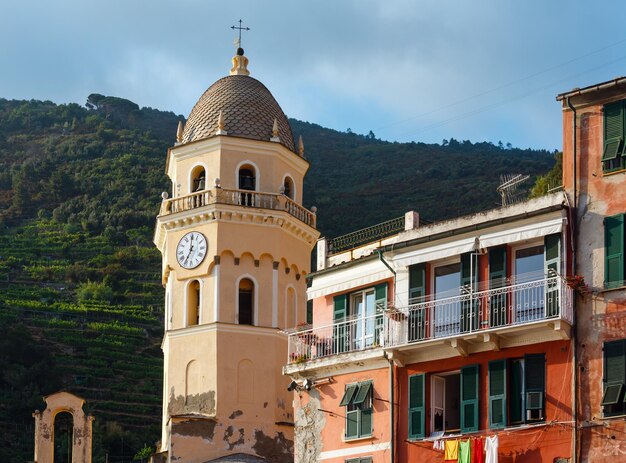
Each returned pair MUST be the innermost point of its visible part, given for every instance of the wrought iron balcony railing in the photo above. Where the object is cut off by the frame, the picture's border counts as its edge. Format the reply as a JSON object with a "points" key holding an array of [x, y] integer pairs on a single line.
{"points": [[245, 198], [493, 309], [366, 235]]}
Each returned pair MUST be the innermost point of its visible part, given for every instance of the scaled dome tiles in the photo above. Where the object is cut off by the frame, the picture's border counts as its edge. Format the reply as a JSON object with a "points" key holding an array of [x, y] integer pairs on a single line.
{"points": [[248, 110]]}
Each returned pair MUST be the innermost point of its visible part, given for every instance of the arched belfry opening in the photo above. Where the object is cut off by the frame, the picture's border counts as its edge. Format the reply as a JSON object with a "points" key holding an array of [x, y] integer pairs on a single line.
{"points": [[63, 436], [288, 188], [198, 179], [246, 302], [63, 429], [193, 303], [247, 181]]}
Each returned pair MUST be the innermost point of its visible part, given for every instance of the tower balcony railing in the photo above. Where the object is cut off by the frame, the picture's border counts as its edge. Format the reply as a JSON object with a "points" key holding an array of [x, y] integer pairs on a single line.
{"points": [[496, 309], [245, 198]]}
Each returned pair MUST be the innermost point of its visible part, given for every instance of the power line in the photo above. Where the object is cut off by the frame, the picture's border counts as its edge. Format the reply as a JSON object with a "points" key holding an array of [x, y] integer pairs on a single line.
{"points": [[500, 87], [508, 100]]}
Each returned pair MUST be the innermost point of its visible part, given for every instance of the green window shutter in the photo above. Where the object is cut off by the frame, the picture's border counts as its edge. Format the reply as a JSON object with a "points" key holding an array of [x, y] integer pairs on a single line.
{"points": [[352, 423], [348, 395], [469, 398], [340, 331], [614, 251], [613, 122], [309, 312], [497, 279], [365, 428], [340, 307], [360, 396], [552, 253], [612, 148], [380, 294], [497, 394], [535, 381], [469, 308], [417, 282], [614, 370], [416, 406]]}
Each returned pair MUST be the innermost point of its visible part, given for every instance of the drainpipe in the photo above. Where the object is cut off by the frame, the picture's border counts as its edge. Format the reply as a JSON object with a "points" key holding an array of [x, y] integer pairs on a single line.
{"points": [[574, 226], [392, 406]]}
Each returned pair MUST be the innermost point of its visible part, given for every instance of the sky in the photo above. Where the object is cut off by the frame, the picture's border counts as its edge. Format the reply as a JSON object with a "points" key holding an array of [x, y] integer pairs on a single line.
{"points": [[408, 70]]}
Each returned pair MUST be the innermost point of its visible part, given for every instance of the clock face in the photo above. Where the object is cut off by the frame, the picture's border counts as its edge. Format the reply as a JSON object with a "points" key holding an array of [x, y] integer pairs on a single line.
{"points": [[191, 250]]}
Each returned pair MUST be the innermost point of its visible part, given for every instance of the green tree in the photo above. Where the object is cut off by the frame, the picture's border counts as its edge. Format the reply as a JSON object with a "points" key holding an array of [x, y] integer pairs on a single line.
{"points": [[553, 179]]}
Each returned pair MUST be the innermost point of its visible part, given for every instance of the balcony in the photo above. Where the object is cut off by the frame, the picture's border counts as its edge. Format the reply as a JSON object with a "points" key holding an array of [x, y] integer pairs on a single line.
{"points": [[245, 198], [533, 311]]}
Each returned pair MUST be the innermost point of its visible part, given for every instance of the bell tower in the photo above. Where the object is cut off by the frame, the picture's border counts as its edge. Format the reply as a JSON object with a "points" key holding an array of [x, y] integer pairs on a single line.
{"points": [[236, 243]]}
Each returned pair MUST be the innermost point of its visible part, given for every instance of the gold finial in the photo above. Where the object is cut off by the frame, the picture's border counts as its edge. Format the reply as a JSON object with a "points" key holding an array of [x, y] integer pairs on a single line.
{"points": [[300, 146], [275, 136], [179, 132], [240, 65], [220, 125]]}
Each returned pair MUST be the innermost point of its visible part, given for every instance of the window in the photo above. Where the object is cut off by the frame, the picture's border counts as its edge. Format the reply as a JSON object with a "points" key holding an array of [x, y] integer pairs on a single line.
{"points": [[246, 302], [614, 394], [288, 188], [613, 155], [454, 401], [524, 400], [358, 399], [193, 303], [358, 320], [247, 181], [198, 179], [614, 251]]}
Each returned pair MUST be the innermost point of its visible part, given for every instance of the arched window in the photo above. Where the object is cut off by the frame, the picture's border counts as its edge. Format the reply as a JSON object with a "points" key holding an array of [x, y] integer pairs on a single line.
{"points": [[247, 178], [246, 302], [63, 436], [198, 179], [288, 186], [193, 303]]}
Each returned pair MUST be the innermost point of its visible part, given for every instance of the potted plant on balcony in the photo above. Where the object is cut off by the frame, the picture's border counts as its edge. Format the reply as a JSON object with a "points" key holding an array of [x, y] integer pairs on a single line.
{"points": [[577, 283]]}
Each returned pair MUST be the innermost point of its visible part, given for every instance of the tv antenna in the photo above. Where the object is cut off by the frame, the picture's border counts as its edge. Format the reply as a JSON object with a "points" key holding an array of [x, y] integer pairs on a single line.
{"points": [[510, 190]]}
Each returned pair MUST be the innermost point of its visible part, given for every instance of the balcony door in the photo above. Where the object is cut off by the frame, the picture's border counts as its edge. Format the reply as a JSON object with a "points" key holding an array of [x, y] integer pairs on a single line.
{"points": [[363, 314], [447, 308], [529, 281]]}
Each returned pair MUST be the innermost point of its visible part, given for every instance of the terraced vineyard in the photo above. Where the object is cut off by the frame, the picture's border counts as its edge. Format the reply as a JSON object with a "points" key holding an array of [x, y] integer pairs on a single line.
{"points": [[107, 352]]}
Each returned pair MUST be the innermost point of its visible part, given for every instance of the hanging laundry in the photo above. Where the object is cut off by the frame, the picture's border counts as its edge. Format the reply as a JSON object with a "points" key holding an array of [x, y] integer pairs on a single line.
{"points": [[477, 451], [464, 451], [438, 445], [452, 450], [491, 449]]}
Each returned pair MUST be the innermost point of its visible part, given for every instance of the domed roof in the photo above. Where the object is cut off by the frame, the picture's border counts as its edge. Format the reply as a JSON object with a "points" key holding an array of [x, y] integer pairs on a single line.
{"points": [[248, 110]]}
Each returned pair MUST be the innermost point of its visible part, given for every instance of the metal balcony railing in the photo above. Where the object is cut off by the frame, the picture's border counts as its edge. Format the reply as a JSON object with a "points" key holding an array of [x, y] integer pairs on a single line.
{"points": [[493, 309], [245, 198], [366, 235]]}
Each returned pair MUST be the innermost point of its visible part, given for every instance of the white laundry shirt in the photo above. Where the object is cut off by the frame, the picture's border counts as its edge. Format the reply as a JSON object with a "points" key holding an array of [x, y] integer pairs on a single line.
{"points": [[491, 449]]}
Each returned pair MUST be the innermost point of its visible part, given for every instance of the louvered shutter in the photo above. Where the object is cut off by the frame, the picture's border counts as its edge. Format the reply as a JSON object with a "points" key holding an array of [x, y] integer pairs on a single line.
{"points": [[552, 253], [614, 251], [613, 130], [416, 406], [469, 398], [417, 291], [469, 308], [497, 279], [497, 394], [535, 381], [614, 372], [380, 296], [339, 314]]}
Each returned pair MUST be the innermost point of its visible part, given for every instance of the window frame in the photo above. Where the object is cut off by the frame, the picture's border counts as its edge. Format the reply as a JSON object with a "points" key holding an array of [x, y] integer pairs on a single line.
{"points": [[617, 408], [617, 161], [357, 411]]}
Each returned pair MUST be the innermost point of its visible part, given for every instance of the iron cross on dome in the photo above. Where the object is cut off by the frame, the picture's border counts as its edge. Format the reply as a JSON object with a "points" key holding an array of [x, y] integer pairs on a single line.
{"points": [[238, 43]]}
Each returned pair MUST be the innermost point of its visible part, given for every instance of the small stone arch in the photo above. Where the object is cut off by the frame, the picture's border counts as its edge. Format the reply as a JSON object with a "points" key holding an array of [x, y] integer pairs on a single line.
{"points": [[289, 187], [44, 428]]}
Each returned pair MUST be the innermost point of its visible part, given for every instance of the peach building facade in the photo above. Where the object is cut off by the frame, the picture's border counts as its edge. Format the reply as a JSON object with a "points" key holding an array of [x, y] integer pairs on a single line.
{"points": [[236, 245], [454, 331], [594, 176]]}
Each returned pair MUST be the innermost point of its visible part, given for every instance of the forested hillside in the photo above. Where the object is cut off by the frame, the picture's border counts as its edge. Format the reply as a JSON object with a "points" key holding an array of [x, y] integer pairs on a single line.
{"points": [[80, 294]]}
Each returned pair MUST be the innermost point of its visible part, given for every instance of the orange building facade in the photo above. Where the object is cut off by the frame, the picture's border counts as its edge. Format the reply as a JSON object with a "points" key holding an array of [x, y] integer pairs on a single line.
{"points": [[594, 176], [452, 331]]}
